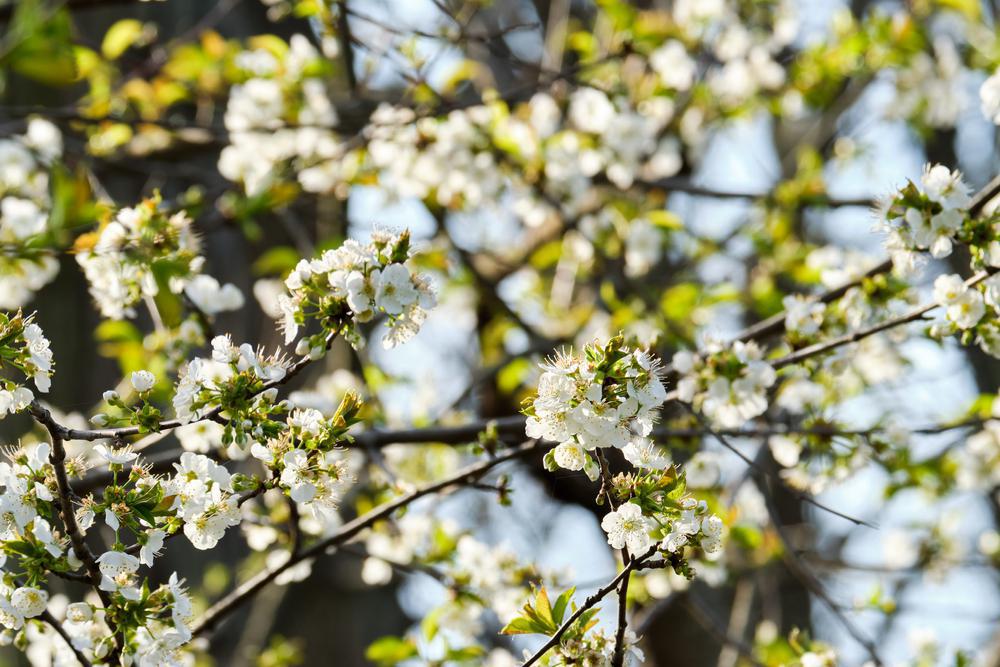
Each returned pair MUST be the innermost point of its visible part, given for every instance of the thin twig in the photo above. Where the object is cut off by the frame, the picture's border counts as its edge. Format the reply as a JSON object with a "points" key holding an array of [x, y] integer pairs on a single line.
{"points": [[57, 457], [61, 631], [588, 603], [760, 472], [125, 431], [802, 572], [618, 658], [245, 591]]}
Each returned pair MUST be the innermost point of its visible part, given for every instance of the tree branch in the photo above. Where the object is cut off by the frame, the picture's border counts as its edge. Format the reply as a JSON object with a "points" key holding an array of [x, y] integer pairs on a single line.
{"points": [[57, 457], [245, 591], [599, 595], [61, 631]]}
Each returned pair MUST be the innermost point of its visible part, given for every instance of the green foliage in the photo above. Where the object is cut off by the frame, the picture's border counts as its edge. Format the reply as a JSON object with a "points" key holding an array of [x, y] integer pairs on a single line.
{"points": [[542, 617], [388, 651]]}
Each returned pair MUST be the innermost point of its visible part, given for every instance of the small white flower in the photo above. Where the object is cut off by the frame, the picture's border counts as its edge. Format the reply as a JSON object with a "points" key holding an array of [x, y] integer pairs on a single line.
{"points": [[948, 289], [785, 450], [154, 542], [116, 563], [394, 290], [989, 96], [627, 527], [79, 612], [119, 456], [570, 455], [29, 602], [211, 298], [966, 309], [646, 454], [143, 381]]}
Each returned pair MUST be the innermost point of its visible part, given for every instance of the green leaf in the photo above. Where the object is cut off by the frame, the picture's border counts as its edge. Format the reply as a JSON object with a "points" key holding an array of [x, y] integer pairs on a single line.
{"points": [[665, 219], [543, 608], [465, 654], [118, 331], [388, 651], [562, 603], [278, 260], [512, 375], [678, 301], [40, 45], [120, 37], [519, 626]]}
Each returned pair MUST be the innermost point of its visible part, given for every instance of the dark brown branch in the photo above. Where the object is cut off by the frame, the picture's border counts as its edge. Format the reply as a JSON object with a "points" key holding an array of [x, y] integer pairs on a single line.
{"points": [[776, 323], [349, 530], [590, 602], [57, 457], [802, 572], [619, 655], [123, 432], [61, 631], [762, 474]]}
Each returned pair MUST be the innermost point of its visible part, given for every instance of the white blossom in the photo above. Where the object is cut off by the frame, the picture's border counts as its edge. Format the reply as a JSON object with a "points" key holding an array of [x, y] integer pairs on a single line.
{"points": [[628, 528]]}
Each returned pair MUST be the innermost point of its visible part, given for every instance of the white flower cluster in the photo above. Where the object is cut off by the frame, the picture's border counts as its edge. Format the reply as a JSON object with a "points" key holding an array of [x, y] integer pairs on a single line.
{"points": [[971, 310], [203, 498], [976, 461], [410, 538], [803, 316], [596, 647], [353, 284], [605, 396], [308, 467], [279, 112], [119, 261], [166, 614], [479, 154], [24, 347], [927, 218], [693, 523], [932, 89], [24, 488], [204, 382], [964, 305], [628, 141], [628, 528], [748, 59], [728, 384], [25, 203], [26, 493], [21, 603]]}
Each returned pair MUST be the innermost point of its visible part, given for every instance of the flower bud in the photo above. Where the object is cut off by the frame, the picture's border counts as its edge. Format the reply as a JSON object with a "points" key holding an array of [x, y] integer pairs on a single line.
{"points": [[143, 381], [79, 612]]}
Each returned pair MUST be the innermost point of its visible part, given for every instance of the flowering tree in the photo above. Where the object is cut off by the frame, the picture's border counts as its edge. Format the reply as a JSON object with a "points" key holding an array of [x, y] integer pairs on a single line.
{"points": [[339, 282]]}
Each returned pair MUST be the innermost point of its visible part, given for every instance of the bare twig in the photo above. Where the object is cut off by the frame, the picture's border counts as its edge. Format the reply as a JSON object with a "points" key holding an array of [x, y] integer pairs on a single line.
{"points": [[61, 631], [589, 603], [762, 473], [126, 431], [618, 657], [802, 572], [245, 591], [57, 457]]}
